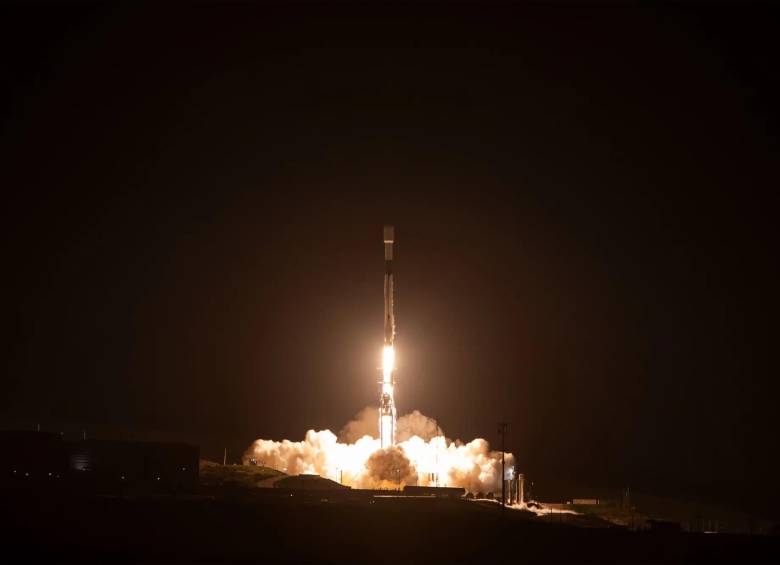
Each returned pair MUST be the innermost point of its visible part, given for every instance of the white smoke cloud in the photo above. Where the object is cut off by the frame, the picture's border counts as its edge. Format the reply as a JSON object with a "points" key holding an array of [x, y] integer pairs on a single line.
{"points": [[422, 456], [413, 424], [417, 424], [363, 424]]}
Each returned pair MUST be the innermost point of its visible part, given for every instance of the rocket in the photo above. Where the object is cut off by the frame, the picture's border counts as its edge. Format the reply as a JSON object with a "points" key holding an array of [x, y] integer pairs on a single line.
{"points": [[387, 415], [389, 239]]}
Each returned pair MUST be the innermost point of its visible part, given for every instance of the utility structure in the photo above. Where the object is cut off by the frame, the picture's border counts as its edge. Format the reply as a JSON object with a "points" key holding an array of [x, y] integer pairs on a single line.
{"points": [[387, 415], [503, 428]]}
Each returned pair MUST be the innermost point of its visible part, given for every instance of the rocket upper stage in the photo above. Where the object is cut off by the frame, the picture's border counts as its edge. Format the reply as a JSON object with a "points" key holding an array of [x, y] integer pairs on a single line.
{"points": [[389, 239]]}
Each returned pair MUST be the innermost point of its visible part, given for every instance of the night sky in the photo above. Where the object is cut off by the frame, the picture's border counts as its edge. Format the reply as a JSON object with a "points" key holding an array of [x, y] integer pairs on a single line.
{"points": [[585, 208]]}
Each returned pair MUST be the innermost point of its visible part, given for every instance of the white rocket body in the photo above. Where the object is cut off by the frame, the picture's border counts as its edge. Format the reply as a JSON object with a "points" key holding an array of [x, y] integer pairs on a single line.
{"points": [[389, 238], [387, 415]]}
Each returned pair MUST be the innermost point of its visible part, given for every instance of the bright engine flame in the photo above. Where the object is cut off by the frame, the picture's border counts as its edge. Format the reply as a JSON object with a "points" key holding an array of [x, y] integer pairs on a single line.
{"points": [[388, 362]]}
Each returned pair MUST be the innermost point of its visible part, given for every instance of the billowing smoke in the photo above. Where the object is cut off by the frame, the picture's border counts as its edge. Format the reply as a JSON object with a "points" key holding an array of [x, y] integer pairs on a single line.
{"points": [[417, 424], [391, 466], [414, 424], [363, 424], [422, 456]]}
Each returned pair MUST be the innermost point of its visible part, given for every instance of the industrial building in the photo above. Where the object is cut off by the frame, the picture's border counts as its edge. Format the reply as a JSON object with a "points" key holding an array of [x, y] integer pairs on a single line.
{"points": [[438, 492], [155, 465], [35, 457], [32, 456]]}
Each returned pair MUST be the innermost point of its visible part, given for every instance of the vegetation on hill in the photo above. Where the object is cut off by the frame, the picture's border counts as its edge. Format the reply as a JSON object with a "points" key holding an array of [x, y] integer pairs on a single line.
{"points": [[239, 476]]}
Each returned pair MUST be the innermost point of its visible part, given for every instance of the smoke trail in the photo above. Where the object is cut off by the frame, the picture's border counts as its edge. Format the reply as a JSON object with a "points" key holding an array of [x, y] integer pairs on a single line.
{"points": [[423, 456]]}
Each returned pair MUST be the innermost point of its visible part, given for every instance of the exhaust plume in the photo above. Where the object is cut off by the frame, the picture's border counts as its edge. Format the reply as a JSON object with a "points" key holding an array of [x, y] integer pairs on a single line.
{"points": [[391, 467], [417, 424], [363, 424], [413, 424], [423, 456]]}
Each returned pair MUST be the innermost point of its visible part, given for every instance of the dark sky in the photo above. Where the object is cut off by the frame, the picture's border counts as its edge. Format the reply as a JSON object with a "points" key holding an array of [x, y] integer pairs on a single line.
{"points": [[584, 200]]}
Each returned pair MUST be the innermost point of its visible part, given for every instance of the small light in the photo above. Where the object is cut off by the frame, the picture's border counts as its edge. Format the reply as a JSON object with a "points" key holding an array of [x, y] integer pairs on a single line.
{"points": [[158, 478], [123, 477], [50, 474]]}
